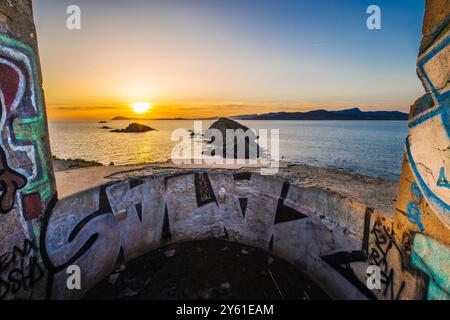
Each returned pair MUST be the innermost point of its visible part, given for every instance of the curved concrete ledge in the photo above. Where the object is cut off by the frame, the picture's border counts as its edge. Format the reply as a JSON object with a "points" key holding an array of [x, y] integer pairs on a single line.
{"points": [[119, 221]]}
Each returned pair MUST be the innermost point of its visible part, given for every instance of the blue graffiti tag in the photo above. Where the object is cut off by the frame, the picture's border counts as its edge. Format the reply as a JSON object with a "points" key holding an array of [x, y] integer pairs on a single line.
{"points": [[415, 191], [426, 191], [414, 215], [442, 181]]}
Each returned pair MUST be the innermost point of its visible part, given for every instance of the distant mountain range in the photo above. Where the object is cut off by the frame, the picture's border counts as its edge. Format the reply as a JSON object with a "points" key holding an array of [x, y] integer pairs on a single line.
{"points": [[348, 114]]}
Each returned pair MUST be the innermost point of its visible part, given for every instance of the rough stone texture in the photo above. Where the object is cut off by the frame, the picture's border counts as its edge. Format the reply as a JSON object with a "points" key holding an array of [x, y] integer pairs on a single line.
{"points": [[26, 179], [310, 222], [134, 216], [234, 141], [421, 221], [437, 12]]}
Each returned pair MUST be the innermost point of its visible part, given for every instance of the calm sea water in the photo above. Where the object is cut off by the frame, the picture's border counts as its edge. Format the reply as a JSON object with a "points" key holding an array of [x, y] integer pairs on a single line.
{"points": [[369, 147]]}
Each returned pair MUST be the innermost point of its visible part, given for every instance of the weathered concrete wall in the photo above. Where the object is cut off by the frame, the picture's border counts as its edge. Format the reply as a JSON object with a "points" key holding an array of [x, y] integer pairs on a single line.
{"points": [[112, 224], [332, 236], [413, 248], [423, 209], [26, 179]]}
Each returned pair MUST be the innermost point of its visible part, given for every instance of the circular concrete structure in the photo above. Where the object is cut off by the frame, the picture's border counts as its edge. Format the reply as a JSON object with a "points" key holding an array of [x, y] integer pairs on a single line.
{"points": [[112, 224]]}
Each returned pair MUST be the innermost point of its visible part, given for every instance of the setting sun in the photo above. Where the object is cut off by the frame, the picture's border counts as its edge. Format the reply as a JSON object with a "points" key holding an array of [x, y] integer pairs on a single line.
{"points": [[141, 107]]}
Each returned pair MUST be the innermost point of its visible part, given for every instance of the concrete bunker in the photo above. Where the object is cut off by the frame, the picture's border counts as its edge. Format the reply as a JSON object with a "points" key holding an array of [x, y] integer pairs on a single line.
{"points": [[333, 237], [130, 218]]}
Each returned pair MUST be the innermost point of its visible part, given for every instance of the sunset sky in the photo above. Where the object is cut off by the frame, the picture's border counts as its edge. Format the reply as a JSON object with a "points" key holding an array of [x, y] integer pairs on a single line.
{"points": [[203, 58]]}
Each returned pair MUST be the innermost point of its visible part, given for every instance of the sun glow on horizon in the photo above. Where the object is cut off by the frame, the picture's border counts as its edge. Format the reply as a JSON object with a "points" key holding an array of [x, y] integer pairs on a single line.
{"points": [[141, 107]]}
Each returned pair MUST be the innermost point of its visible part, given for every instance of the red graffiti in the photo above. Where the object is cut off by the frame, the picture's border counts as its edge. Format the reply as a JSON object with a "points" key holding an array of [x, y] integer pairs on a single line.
{"points": [[9, 84]]}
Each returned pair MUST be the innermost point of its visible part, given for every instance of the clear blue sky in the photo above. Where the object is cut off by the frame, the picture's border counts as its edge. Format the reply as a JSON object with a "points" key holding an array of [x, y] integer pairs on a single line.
{"points": [[293, 55]]}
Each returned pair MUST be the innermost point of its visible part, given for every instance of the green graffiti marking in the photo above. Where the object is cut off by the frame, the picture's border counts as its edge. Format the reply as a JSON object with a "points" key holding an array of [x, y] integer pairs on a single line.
{"points": [[433, 259], [33, 129]]}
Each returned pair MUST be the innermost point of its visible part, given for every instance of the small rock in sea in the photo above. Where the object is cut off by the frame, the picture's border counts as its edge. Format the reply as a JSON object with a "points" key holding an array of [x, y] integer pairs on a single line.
{"points": [[225, 286], [135, 127], [224, 124], [105, 127], [270, 260], [225, 249], [243, 251], [169, 253], [127, 292]]}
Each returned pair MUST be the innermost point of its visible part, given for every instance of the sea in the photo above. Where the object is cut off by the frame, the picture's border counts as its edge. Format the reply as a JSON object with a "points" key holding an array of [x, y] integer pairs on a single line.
{"points": [[373, 148]]}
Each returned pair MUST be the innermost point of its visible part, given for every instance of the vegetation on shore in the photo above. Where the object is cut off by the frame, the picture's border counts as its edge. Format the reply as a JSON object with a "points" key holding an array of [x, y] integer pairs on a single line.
{"points": [[78, 163]]}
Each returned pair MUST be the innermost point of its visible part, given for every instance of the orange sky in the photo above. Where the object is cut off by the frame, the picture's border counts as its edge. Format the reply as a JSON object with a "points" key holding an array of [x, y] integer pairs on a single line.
{"points": [[221, 58], [189, 110]]}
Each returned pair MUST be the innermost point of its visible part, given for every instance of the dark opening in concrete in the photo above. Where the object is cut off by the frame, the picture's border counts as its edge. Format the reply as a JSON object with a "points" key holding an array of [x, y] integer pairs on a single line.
{"points": [[209, 269]]}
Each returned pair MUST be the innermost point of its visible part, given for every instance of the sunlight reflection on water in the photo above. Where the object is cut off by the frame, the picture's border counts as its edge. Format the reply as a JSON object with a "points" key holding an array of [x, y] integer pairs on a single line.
{"points": [[370, 147]]}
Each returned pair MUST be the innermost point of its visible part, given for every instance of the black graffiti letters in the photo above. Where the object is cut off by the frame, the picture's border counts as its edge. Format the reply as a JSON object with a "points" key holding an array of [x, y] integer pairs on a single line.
{"points": [[10, 182], [20, 269]]}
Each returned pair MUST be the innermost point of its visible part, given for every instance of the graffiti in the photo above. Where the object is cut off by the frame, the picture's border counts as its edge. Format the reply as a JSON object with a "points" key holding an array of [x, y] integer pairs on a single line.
{"points": [[435, 266], [414, 215], [103, 227], [285, 213], [10, 182], [427, 150], [121, 221], [429, 73], [112, 228], [26, 183], [20, 269], [243, 204], [442, 180], [23, 127], [379, 248], [385, 245], [203, 190], [166, 234], [413, 210], [430, 160], [341, 261]]}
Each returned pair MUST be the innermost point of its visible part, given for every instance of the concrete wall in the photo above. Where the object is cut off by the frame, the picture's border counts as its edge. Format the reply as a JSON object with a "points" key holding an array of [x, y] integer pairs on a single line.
{"points": [[422, 218], [105, 226], [26, 179], [334, 238], [413, 248]]}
